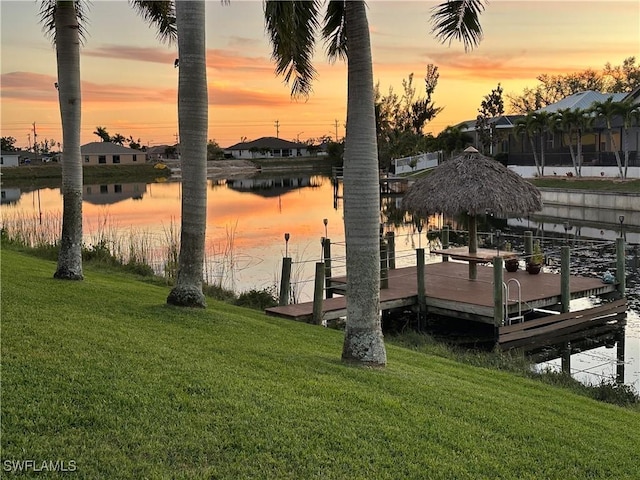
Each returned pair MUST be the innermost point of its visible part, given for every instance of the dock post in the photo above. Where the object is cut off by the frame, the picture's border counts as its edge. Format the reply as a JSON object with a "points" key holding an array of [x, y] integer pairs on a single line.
{"points": [[565, 271], [473, 247], [391, 246], [384, 265], [498, 292], [326, 244], [421, 287], [445, 241], [620, 355], [620, 266], [317, 293], [285, 282], [528, 245], [566, 359]]}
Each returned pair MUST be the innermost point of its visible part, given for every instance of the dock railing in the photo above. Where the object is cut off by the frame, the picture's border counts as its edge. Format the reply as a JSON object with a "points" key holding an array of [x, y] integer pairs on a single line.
{"points": [[332, 266]]}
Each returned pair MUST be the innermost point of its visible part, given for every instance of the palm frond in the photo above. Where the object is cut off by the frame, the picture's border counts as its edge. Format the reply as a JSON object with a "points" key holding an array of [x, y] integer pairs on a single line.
{"points": [[459, 20], [291, 27], [47, 14], [334, 32], [161, 14]]}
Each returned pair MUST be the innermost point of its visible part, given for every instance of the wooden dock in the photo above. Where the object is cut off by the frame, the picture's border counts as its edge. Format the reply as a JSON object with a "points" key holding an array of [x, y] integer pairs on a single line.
{"points": [[449, 292]]}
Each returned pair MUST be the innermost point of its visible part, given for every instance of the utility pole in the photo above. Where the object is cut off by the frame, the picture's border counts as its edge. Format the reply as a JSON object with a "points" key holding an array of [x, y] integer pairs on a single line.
{"points": [[35, 141], [336, 127], [277, 125]]}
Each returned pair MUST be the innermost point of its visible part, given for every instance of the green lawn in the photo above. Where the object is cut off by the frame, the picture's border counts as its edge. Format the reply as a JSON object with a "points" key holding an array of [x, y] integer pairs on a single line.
{"points": [[103, 373], [593, 184]]}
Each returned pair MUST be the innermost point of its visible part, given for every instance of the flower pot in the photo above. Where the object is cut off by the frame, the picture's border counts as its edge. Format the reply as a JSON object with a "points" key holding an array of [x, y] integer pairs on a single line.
{"points": [[534, 268], [511, 265]]}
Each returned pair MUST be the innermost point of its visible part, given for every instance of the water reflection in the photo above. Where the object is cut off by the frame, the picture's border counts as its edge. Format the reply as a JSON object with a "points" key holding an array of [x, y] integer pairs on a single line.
{"points": [[105, 194]]}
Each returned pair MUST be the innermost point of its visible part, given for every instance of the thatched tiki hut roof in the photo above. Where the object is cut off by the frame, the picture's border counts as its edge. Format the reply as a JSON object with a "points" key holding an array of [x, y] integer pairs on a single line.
{"points": [[476, 185]]}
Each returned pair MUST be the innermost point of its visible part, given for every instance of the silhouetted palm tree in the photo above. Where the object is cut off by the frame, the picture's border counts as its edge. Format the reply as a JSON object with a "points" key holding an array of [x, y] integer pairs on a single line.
{"points": [[607, 110]]}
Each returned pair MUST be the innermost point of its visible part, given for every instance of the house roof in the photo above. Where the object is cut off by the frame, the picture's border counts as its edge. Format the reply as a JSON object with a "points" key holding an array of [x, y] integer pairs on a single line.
{"points": [[159, 149], [106, 148], [582, 100], [266, 142], [503, 121]]}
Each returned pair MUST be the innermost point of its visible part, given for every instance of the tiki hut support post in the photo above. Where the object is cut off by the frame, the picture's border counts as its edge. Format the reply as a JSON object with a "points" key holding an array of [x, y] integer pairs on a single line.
{"points": [[473, 246]]}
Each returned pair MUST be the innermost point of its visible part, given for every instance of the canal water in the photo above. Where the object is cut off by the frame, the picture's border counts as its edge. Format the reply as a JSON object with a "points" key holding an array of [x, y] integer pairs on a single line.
{"points": [[247, 220]]}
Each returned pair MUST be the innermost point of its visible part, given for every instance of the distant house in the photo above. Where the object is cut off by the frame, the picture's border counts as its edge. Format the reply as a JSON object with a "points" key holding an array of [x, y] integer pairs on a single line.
{"points": [[107, 153], [268, 147], [160, 153], [597, 150], [9, 159]]}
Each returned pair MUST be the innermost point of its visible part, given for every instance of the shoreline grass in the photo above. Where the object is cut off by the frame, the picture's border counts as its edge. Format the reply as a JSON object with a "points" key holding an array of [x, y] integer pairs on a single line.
{"points": [[103, 373], [50, 175]]}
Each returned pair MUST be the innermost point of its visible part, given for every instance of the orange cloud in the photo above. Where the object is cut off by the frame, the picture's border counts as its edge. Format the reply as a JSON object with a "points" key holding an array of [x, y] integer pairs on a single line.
{"points": [[29, 86]]}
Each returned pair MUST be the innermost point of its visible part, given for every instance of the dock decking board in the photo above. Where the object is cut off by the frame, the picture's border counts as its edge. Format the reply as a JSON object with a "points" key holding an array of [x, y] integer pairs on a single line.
{"points": [[449, 291]]}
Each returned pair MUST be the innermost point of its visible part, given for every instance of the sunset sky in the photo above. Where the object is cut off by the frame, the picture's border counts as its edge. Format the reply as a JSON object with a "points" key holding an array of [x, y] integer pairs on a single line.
{"points": [[129, 82]]}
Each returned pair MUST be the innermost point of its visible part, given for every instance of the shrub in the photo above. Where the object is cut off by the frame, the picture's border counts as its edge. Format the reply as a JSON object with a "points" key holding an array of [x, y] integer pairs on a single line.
{"points": [[257, 299]]}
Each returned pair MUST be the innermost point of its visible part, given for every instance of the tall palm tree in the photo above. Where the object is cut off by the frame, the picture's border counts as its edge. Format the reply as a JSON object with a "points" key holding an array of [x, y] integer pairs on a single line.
{"points": [[291, 27], [630, 114], [63, 21], [574, 123], [192, 121], [606, 110], [528, 126]]}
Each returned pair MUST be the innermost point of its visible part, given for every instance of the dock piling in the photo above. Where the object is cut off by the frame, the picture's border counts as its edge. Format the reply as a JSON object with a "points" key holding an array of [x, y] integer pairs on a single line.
{"points": [[565, 271], [620, 266], [498, 291], [317, 293], [285, 281], [528, 245], [445, 241], [326, 244], [384, 265], [391, 249], [421, 286]]}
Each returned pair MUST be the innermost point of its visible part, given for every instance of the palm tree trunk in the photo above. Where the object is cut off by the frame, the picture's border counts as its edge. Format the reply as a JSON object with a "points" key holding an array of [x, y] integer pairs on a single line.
{"points": [[614, 147], [363, 342], [542, 138], [68, 60], [579, 154], [573, 158], [625, 132], [193, 123], [535, 155]]}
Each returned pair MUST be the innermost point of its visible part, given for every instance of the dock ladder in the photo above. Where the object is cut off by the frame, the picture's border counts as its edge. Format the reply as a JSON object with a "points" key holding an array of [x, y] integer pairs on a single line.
{"points": [[506, 291]]}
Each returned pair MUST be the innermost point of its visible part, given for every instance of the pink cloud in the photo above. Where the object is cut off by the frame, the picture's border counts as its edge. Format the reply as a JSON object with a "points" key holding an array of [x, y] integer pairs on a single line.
{"points": [[219, 59], [32, 87]]}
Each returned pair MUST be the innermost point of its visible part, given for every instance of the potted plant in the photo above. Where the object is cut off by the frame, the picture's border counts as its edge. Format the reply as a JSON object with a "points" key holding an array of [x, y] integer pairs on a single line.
{"points": [[510, 263], [535, 261]]}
